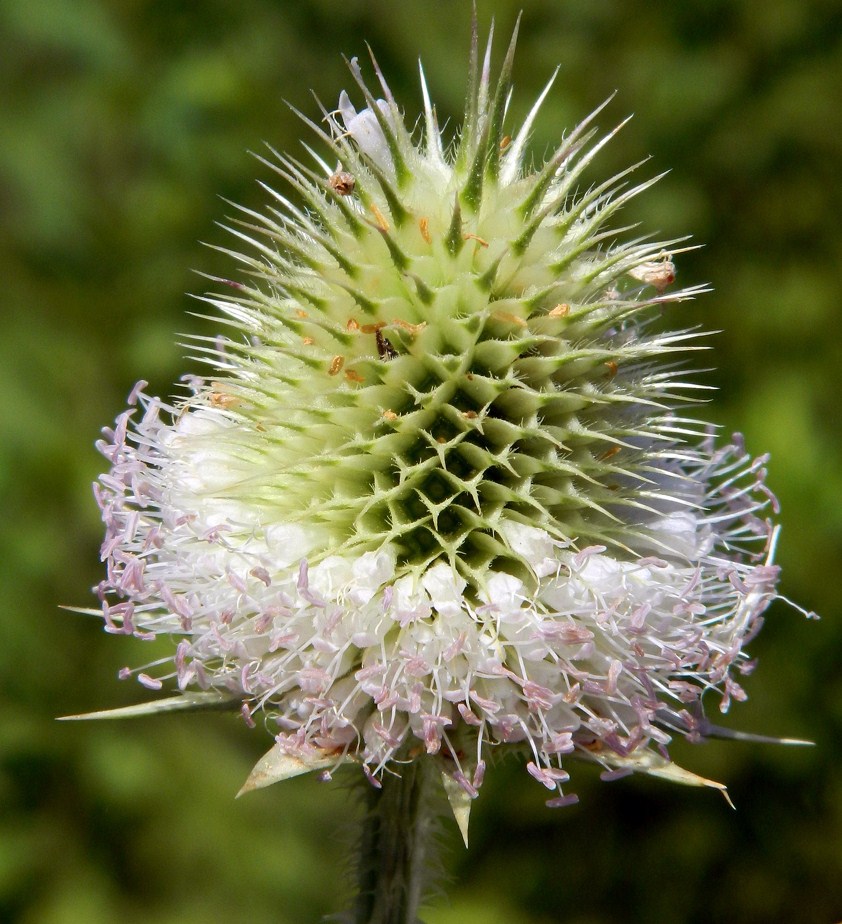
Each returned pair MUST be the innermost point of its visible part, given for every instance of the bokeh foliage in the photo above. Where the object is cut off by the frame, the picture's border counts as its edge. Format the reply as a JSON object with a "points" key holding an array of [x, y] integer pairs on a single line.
{"points": [[121, 122]]}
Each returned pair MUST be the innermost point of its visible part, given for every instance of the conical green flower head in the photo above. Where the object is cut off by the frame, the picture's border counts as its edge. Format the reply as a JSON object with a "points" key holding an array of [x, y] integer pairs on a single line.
{"points": [[442, 342]]}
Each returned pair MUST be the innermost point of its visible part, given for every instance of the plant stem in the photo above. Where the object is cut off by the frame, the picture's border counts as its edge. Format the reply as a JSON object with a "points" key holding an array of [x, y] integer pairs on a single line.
{"points": [[396, 847]]}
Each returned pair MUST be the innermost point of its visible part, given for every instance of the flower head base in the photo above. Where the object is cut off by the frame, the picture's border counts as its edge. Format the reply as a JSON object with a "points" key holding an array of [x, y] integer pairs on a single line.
{"points": [[434, 497]]}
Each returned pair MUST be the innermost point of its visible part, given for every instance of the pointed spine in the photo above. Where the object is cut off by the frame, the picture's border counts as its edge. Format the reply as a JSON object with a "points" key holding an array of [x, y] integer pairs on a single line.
{"points": [[499, 106]]}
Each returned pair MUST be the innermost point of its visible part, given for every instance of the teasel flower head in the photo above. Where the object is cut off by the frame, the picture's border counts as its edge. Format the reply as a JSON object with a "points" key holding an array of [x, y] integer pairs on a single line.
{"points": [[436, 497]]}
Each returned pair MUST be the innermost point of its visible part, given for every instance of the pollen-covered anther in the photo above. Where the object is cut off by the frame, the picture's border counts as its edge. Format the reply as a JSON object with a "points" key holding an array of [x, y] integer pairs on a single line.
{"points": [[410, 328], [468, 236], [424, 228], [379, 217], [612, 368], [352, 324], [262, 575], [609, 453], [560, 311], [307, 341], [389, 414], [508, 318], [353, 376], [336, 365]]}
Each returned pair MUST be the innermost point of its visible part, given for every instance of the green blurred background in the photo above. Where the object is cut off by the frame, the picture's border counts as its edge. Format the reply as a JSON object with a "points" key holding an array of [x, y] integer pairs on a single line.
{"points": [[121, 123]]}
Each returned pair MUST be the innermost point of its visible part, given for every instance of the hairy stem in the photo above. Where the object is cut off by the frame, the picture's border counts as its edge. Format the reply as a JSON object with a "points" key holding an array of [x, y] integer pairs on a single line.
{"points": [[396, 847]]}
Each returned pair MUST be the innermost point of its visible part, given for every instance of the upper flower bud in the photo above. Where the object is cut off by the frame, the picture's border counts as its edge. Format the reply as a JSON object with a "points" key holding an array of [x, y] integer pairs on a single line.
{"points": [[364, 128]]}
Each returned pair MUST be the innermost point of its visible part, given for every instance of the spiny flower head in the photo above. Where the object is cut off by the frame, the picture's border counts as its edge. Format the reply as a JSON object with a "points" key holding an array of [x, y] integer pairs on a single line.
{"points": [[434, 497]]}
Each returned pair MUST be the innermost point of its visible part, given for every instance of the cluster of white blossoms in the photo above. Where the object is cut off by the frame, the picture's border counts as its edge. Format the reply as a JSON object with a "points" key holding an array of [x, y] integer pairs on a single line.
{"points": [[434, 497]]}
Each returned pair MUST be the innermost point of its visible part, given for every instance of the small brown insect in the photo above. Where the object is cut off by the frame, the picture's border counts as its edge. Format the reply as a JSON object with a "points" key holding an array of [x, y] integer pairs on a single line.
{"points": [[657, 273], [384, 349], [342, 183], [612, 368], [220, 399], [594, 746]]}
